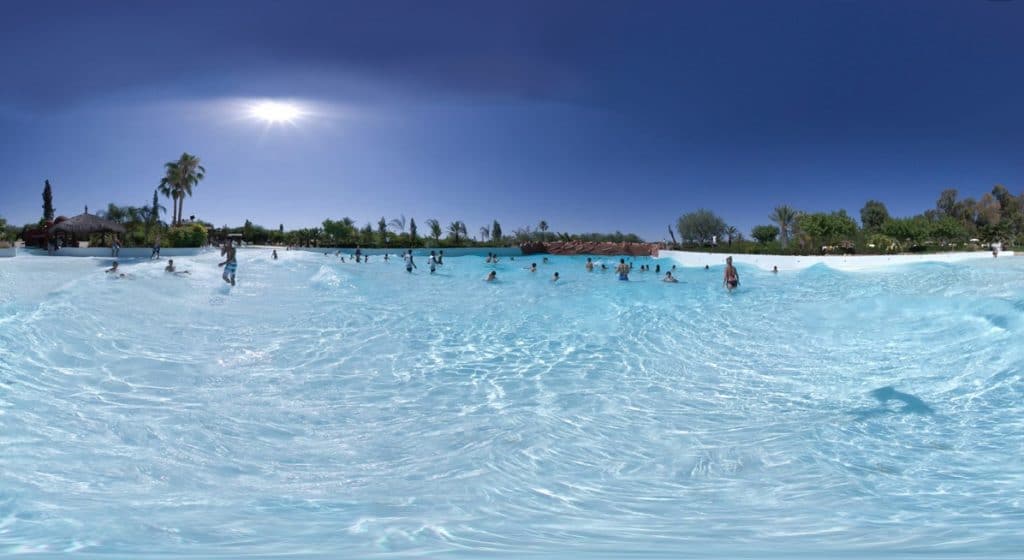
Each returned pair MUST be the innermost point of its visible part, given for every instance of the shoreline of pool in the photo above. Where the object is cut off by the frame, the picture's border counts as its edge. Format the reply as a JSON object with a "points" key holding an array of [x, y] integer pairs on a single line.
{"points": [[838, 262]]}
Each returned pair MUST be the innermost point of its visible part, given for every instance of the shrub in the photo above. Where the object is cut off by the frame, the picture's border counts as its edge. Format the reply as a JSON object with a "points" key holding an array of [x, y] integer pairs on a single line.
{"points": [[186, 235]]}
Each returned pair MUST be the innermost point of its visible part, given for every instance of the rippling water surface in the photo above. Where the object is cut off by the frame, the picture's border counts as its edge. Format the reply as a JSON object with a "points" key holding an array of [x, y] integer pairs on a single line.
{"points": [[358, 411]]}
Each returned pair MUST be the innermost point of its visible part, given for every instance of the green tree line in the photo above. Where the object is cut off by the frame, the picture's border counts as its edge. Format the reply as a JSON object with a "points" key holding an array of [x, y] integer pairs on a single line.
{"points": [[954, 223]]}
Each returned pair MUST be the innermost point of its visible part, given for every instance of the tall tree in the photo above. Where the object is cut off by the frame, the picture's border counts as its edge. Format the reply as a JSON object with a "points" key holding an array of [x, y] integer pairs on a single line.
{"points": [[435, 230], [382, 231], [784, 216], [873, 215], [543, 227], [700, 226], [731, 232], [496, 232], [456, 229], [180, 177], [398, 224], [765, 234], [47, 202], [412, 232], [947, 202], [485, 233]]}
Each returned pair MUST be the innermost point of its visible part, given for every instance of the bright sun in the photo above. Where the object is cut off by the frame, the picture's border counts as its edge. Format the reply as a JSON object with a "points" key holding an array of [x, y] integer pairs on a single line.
{"points": [[273, 112]]}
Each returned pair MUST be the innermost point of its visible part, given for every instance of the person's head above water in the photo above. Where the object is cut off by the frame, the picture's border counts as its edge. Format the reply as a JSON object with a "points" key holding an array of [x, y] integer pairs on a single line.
{"points": [[554, 276], [491, 275], [533, 266]]}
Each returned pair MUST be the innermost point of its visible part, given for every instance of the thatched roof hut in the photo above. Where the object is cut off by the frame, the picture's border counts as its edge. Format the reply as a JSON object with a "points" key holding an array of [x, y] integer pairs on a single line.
{"points": [[86, 224]]}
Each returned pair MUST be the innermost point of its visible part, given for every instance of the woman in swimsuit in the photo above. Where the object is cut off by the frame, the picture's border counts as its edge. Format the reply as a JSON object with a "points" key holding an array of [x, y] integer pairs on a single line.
{"points": [[731, 278]]}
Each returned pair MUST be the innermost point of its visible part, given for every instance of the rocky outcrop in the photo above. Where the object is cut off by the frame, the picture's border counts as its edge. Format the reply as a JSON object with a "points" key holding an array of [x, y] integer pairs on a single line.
{"points": [[590, 248]]}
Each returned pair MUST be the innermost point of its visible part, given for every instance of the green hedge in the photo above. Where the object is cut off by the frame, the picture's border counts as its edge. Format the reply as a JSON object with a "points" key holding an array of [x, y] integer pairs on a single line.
{"points": [[188, 235]]}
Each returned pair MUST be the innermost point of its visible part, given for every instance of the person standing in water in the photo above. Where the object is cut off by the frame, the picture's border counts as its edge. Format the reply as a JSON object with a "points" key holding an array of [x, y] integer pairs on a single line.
{"points": [[533, 267], [491, 276], [622, 270], [590, 265], [409, 265], [731, 278], [156, 249], [554, 277], [273, 254], [230, 265], [440, 258]]}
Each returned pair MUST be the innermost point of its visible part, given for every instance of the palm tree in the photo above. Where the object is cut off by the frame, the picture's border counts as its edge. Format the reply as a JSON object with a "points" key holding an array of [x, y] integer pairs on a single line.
{"points": [[435, 230], [485, 232], [783, 216], [543, 227], [455, 229], [731, 231], [382, 230], [398, 224], [179, 179]]}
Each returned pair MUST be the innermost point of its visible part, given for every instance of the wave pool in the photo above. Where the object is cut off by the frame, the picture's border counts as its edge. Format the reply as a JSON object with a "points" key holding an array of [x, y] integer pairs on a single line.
{"points": [[353, 410]]}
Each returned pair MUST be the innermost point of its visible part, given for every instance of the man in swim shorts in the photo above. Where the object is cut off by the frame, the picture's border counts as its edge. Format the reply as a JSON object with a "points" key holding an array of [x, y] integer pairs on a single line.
{"points": [[731, 278], [590, 265], [230, 265], [409, 265], [622, 270], [669, 278]]}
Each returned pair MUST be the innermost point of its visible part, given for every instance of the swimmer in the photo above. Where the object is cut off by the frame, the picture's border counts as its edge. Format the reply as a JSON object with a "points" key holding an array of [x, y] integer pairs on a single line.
{"points": [[533, 267], [488, 261], [230, 264], [359, 253], [554, 277], [409, 264], [590, 265], [669, 278], [731, 278], [114, 270], [657, 269], [604, 266], [775, 270], [491, 276], [545, 261], [622, 270], [433, 266], [273, 254], [386, 257], [440, 258], [170, 268], [706, 267]]}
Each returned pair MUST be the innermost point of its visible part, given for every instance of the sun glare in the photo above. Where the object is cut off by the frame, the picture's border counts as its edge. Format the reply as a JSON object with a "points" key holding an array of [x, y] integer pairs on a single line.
{"points": [[273, 112]]}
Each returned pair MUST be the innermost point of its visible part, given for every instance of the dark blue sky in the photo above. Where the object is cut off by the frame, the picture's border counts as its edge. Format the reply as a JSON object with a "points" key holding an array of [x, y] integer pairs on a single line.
{"points": [[596, 116]]}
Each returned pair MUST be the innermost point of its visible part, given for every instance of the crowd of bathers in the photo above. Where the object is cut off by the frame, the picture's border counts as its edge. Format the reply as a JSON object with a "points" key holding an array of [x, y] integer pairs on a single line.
{"points": [[623, 269], [730, 278]]}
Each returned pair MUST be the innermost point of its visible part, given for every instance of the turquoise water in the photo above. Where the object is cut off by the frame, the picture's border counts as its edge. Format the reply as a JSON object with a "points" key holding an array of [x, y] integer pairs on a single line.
{"points": [[346, 410]]}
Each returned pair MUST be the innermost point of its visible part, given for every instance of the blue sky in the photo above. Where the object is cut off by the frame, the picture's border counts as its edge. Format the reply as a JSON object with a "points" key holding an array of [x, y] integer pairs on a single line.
{"points": [[596, 116]]}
